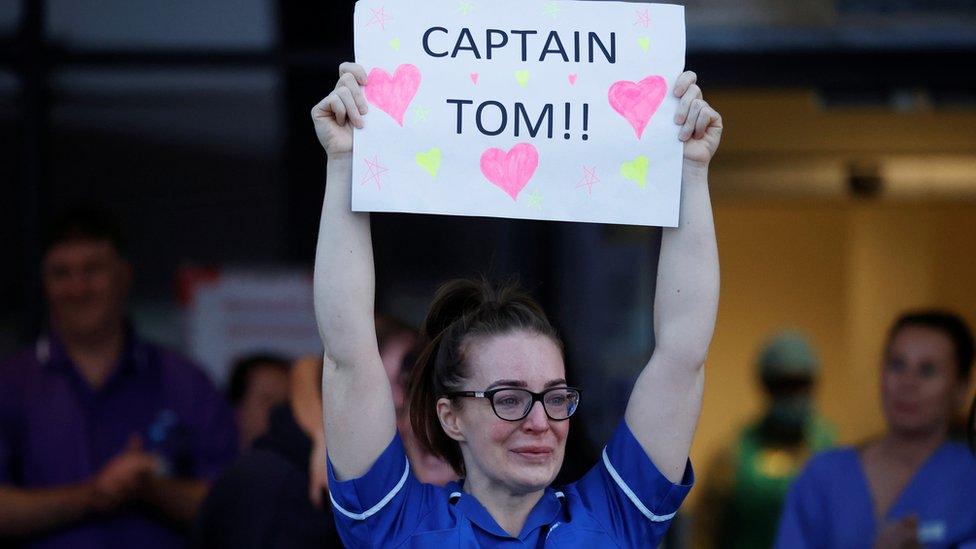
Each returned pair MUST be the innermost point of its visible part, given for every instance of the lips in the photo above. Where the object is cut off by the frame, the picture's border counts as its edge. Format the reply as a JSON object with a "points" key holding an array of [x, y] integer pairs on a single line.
{"points": [[533, 454], [905, 407]]}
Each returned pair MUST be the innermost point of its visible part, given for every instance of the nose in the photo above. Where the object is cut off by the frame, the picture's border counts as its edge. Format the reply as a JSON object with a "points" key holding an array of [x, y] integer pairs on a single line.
{"points": [[537, 420], [907, 380]]}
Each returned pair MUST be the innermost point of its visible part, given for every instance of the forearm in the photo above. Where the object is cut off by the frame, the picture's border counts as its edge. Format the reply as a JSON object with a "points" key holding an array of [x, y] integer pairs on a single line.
{"points": [[687, 292], [357, 402], [25, 512], [344, 278], [306, 396], [177, 499]]}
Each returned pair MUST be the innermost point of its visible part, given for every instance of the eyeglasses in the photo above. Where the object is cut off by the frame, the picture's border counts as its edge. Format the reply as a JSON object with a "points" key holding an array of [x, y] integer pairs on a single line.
{"points": [[512, 404]]}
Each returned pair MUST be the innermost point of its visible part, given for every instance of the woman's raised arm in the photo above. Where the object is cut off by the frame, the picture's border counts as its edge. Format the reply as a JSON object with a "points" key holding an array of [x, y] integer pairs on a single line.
{"points": [[358, 403], [666, 401]]}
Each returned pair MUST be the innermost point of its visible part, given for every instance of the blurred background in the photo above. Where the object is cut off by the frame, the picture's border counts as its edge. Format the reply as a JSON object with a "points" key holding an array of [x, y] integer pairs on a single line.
{"points": [[844, 191]]}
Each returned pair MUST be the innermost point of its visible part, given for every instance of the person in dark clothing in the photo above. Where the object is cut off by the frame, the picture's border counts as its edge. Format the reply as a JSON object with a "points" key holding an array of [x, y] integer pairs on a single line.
{"points": [[261, 501], [258, 383]]}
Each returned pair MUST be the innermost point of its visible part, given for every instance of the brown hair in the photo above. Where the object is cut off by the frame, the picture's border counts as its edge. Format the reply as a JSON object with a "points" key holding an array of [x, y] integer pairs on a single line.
{"points": [[462, 309]]}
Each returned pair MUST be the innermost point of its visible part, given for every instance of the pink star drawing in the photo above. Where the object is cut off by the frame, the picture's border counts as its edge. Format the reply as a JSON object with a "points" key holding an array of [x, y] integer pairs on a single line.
{"points": [[376, 170], [589, 179], [380, 17], [643, 18]]}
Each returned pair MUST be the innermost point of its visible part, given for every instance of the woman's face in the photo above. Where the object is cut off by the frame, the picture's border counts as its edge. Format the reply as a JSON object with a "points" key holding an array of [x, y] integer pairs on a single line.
{"points": [[520, 456], [920, 389]]}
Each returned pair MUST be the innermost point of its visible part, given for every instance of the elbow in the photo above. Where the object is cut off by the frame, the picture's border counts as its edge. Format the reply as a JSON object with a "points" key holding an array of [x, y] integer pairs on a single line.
{"points": [[333, 359], [687, 356], [339, 339]]}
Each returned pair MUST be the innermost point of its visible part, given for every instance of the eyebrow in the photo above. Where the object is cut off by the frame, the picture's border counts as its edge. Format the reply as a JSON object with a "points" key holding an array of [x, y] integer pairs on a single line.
{"points": [[523, 384]]}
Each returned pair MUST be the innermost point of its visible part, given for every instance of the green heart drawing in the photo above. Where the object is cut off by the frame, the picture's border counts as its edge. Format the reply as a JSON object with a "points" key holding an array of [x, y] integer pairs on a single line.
{"points": [[635, 170], [395, 44], [645, 43], [430, 161], [522, 76]]}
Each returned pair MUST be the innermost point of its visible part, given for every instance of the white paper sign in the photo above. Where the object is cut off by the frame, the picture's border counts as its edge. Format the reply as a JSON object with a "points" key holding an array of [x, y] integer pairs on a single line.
{"points": [[531, 109]]}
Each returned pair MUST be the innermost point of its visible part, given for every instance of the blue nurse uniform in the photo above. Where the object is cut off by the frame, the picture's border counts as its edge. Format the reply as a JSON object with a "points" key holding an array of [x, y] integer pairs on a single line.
{"points": [[623, 501], [830, 505]]}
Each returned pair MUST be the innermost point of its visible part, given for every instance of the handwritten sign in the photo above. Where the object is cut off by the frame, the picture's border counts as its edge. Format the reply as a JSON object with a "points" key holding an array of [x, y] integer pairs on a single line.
{"points": [[529, 109]]}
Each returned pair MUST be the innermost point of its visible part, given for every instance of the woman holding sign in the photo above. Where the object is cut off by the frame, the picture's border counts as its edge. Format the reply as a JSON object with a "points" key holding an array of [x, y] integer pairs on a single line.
{"points": [[489, 393]]}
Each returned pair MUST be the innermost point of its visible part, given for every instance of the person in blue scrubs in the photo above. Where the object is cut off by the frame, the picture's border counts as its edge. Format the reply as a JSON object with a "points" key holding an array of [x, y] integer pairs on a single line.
{"points": [[488, 392], [912, 486]]}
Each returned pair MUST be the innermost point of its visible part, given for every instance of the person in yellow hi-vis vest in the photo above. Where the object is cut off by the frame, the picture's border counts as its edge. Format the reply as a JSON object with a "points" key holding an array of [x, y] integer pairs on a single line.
{"points": [[749, 479]]}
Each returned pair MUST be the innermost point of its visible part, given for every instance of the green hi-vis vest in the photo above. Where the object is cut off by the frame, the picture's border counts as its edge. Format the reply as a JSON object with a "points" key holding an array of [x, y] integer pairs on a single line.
{"points": [[761, 478]]}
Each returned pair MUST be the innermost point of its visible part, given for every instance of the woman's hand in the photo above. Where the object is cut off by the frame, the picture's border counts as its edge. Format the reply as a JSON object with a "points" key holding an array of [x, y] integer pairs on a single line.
{"points": [[701, 125], [335, 115], [899, 534]]}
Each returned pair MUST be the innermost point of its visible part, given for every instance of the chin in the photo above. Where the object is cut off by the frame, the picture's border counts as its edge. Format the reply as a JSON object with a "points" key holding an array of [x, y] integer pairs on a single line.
{"points": [[533, 477], [83, 321], [914, 427]]}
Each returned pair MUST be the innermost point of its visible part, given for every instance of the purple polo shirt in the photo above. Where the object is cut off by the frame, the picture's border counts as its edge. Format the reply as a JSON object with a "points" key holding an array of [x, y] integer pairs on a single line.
{"points": [[55, 430]]}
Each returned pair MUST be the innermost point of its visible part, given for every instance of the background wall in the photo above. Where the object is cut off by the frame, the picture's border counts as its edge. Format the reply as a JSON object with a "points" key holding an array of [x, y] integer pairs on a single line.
{"points": [[798, 250]]}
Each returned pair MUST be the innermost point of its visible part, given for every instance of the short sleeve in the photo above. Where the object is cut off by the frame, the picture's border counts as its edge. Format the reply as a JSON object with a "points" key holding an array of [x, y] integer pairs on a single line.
{"points": [[802, 515], [382, 507], [627, 494]]}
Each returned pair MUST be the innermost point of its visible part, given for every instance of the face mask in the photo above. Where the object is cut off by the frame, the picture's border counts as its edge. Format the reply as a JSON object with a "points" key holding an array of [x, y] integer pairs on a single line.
{"points": [[791, 413]]}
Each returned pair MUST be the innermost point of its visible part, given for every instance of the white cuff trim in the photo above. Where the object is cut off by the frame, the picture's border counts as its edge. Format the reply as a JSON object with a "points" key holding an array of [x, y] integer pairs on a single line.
{"points": [[376, 508], [631, 495]]}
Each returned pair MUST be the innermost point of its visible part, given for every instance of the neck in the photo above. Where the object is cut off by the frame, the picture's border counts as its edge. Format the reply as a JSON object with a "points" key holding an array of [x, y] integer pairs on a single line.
{"points": [[912, 448], [95, 353], [510, 510]]}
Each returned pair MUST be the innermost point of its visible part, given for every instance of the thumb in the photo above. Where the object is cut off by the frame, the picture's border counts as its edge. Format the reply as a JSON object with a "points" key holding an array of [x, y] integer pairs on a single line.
{"points": [[911, 521]]}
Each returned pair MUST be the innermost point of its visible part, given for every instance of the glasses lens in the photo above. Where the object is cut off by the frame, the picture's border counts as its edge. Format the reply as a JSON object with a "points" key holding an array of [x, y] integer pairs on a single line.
{"points": [[511, 404], [561, 403]]}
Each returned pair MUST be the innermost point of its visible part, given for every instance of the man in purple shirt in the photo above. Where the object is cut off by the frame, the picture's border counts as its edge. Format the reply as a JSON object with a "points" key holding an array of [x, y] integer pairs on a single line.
{"points": [[106, 440]]}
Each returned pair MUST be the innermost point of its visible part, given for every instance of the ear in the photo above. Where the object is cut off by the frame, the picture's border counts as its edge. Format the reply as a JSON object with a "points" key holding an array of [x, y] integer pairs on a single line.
{"points": [[450, 418]]}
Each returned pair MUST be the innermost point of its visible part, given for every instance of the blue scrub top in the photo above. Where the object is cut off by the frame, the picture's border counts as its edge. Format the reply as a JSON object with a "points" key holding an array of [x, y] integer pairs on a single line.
{"points": [[623, 501], [830, 505]]}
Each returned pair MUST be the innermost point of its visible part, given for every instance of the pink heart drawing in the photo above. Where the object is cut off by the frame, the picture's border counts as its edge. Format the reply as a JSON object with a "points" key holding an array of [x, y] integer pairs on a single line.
{"points": [[393, 94], [638, 102], [512, 170], [474, 78], [572, 80]]}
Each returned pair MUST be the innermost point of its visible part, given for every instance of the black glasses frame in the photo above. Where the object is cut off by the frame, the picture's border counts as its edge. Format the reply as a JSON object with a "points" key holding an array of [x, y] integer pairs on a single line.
{"points": [[536, 397]]}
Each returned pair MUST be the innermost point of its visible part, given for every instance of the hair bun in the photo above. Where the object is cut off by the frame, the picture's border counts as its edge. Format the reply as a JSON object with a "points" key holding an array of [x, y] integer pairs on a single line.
{"points": [[455, 299]]}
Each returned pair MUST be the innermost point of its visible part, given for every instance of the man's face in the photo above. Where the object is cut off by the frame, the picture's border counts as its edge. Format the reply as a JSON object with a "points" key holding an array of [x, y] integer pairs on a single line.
{"points": [[86, 283]]}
